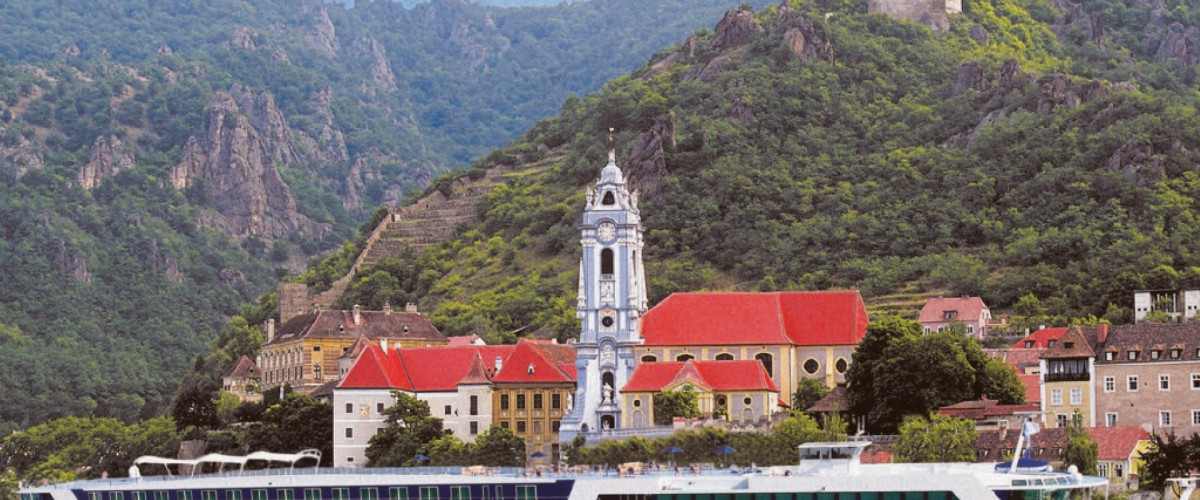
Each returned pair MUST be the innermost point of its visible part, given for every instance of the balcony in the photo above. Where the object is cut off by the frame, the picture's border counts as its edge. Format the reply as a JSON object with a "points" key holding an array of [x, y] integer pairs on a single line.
{"points": [[1068, 377]]}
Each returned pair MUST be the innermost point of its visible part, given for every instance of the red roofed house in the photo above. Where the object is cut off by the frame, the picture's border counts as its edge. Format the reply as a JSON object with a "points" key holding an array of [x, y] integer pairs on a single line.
{"points": [[793, 334], [524, 387], [741, 389], [942, 312], [1041, 339], [243, 380], [989, 414], [1120, 453]]}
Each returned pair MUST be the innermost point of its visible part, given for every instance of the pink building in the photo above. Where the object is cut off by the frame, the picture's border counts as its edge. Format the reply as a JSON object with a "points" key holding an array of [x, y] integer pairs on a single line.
{"points": [[943, 312]]}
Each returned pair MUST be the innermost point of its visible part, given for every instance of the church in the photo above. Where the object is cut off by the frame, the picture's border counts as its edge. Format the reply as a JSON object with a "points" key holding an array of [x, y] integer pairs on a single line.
{"points": [[703, 340]]}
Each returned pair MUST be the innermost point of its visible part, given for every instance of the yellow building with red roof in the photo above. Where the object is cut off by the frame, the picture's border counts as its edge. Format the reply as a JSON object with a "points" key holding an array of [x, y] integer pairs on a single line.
{"points": [[743, 390], [793, 335]]}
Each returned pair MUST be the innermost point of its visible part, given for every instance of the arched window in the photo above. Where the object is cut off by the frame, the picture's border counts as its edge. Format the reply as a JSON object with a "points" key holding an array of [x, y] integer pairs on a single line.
{"points": [[724, 357], [606, 262], [684, 357], [767, 361], [609, 199], [606, 379], [649, 358]]}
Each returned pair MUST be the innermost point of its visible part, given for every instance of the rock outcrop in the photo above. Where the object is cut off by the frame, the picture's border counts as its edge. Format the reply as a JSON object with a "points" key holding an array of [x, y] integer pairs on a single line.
{"points": [[647, 162], [329, 145], [1076, 22], [659, 66], [736, 29], [970, 77], [802, 37], [234, 159], [370, 54], [19, 156], [242, 38], [1138, 166], [1060, 90], [1180, 44], [319, 31], [932, 13], [108, 157], [474, 55], [68, 260]]}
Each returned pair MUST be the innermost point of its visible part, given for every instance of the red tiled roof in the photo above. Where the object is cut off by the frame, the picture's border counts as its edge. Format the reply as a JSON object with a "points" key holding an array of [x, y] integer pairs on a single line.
{"points": [[462, 340], [243, 368], [1117, 443], [443, 368], [740, 318], [357, 349], [967, 309], [1033, 388], [1072, 344], [1041, 338], [982, 408], [746, 375], [372, 324]]}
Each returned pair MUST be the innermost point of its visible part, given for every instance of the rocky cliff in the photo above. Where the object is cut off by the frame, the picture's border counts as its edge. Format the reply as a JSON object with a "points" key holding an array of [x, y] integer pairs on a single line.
{"points": [[233, 164], [108, 156]]}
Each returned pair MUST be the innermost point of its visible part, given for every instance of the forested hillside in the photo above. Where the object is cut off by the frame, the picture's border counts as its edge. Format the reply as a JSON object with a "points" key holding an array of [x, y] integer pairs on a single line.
{"points": [[1040, 149], [163, 162]]}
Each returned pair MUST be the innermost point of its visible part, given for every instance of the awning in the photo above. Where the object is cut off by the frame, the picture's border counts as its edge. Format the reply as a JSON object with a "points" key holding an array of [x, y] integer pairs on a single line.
{"points": [[217, 458]]}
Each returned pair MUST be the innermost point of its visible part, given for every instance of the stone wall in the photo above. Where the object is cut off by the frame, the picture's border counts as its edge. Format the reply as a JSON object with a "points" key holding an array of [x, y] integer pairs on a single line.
{"points": [[929, 12]]}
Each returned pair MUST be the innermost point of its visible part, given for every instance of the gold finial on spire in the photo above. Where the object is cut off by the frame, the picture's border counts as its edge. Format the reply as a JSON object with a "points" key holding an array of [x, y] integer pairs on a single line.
{"points": [[610, 137]]}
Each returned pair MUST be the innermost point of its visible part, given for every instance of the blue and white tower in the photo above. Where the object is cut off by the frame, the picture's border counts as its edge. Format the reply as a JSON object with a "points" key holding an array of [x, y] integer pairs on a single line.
{"points": [[612, 299]]}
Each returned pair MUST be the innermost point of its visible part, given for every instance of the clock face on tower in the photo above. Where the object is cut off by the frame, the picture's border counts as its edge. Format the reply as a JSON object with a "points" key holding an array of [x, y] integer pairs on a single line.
{"points": [[606, 231]]}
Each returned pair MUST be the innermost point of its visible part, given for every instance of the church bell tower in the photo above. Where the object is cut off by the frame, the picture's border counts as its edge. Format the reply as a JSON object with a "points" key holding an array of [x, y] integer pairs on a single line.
{"points": [[611, 301]]}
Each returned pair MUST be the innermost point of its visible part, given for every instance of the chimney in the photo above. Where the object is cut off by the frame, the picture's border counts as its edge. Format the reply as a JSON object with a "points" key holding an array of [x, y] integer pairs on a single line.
{"points": [[499, 364], [270, 329], [383, 345], [387, 308], [1101, 332], [357, 315], [410, 307]]}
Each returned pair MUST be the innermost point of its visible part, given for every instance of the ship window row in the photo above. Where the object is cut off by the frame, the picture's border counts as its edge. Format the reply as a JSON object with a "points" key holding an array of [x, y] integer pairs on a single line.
{"points": [[861, 495], [394, 493]]}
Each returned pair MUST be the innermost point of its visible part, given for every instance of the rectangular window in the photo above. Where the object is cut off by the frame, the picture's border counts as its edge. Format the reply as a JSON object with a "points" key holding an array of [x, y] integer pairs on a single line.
{"points": [[1133, 355], [368, 493], [1118, 470], [208, 495], [526, 493], [1164, 382], [1110, 384], [537, 428], [349, 407], [504, 401], [341, 493], [1164, 418], [1056, 397], [504, 425], [166, 495], [1132, 383], [1103, 469], [312, 494], [474, 405], [184, 495], [1175, 353], [429, 493], [1110, 355], [1195, 417], [349, 432], [379, 408], [1155, 354], [1110, 419], [141, 495], [474, 428], [94, 496], [258, 494], [555, 401], [1061, 420], [233, 494], [537, 401], [1076, 396], [1195, 381], [554, 425], [520, 427], [116, 495], [460, 493], [397, 493], [446, 410], [285, 494], [520, 401]]}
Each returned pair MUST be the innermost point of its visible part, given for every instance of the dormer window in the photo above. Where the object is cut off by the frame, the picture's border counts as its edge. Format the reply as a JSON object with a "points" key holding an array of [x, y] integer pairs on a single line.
{"points": [[1175, 353], [1069, 345], [949, 314], [1051, 342], [1110, 356], [1029, 344], [609, 199], [1133, 355], [1155, 354]]}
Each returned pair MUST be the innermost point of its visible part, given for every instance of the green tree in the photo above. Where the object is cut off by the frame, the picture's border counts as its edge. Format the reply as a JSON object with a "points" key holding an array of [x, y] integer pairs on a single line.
{"points": [[498, 446], [297, 423], [195, 407], [1080, 451], [408, 429], [226, 407], [808, 392], [1169, 456], [936, 439], [682, 402], [8, 485]]}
